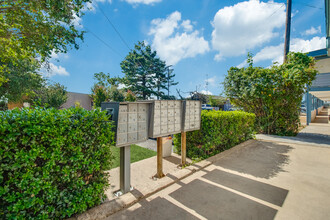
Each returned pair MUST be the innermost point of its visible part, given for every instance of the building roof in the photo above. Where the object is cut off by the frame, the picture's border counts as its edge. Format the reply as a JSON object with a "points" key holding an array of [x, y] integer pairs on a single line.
{"points": [[317, 53], [322, 80]]}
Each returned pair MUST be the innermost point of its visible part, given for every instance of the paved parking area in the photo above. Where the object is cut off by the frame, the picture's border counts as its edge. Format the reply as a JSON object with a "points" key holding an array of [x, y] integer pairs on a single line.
{"points": [[265, 179]]}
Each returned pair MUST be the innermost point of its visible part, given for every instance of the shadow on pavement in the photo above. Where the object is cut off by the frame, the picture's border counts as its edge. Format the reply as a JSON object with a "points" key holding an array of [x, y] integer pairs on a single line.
{"points": [[260, 159], [213, 202], [158, 208], [172, 159], [263, 191]]}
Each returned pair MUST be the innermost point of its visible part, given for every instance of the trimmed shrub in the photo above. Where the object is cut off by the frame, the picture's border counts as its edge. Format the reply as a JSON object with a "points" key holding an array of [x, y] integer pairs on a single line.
{"points": [[273, 94], [220, 130], [53, 162]]}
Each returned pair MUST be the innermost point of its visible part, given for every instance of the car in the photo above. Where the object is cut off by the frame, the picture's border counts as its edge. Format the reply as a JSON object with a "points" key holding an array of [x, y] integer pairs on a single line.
{"points": [[207, 107]]}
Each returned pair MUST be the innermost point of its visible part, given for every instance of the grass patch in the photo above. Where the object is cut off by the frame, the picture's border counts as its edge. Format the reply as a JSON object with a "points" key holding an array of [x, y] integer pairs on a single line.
{"points": [[137, 153]]}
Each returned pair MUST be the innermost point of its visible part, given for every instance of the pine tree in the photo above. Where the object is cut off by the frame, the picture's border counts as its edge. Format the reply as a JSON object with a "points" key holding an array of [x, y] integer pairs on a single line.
{"points": [[170, 79], [138, 68]]}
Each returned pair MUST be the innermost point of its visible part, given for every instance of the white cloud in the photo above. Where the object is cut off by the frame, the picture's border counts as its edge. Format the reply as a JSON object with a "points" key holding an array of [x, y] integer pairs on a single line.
{"points": [[206, 92], [211, 81], [57, 70], [76, 21], [245, 26], [146, 2], [171, 43], [91, 6], [121, 86], [313, 31], [275, 53], [51, 69], [186, 24]]}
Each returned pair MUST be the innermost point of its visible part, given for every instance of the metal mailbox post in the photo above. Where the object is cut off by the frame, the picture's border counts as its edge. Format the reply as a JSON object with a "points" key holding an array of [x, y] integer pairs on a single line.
{"points": [[131, 121]]}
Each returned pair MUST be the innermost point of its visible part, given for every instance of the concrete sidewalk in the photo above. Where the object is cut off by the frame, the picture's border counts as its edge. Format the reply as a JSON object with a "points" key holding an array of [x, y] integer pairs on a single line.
{"points": [[261, 179]]}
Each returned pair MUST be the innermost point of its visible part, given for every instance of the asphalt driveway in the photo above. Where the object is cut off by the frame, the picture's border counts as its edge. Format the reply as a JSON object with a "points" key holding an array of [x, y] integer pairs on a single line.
{"points": [[269, 178]]}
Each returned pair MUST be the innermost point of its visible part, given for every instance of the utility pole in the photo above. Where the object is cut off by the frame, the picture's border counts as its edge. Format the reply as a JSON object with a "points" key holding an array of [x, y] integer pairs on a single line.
{"points": [[287, 29], [207, 83], [168, 82]]}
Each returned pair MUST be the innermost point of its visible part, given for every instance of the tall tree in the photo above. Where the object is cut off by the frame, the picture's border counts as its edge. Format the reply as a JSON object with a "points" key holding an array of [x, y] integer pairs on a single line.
{"points": [[170, 79], [36, 28], [138, 70], [145, 73], [159, 69]]}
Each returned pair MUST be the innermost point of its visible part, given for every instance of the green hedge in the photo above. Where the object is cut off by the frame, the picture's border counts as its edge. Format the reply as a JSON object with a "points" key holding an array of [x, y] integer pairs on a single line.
{"points": [[52, 162], [220, 130]]}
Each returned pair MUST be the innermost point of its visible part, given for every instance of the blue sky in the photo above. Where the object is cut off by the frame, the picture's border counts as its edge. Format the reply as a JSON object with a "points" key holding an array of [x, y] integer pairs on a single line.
{"points": [[202, 39]]}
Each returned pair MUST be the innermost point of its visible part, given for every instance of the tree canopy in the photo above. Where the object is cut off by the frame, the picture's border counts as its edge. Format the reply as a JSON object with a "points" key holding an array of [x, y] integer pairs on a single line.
{"points": [[106, 89], [34, 29], [53, 95], [145, 73], [273, 94]]}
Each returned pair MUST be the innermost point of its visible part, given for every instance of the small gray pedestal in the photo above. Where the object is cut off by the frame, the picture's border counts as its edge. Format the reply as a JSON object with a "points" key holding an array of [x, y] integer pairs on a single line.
{"points": [[125, 169]]}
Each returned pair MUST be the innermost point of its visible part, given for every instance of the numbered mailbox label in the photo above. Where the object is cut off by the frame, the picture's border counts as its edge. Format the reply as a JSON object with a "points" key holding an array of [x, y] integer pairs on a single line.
{"points": [[122, 118], [132, 107], [142, 135], [132, 137], [121, 138], [132, 127], [143, 108], [122, 128], [132, 117], [170, 104], [122, 108]]}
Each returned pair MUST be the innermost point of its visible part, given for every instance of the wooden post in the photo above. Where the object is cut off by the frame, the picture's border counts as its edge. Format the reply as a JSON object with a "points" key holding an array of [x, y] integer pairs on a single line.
{"points": [[183, 148], [160, 173], [287, 29]]}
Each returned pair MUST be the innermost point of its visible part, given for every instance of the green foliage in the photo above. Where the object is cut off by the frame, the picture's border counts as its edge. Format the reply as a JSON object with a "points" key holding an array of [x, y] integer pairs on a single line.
{"points": [[51, 96], [106, 89], [21, 80], [145, 73], [99, 95], [53, 162], [219, 131], [274, 95], [170, 82], [199, 96], [216, 101], [116, 95], [130, 96], [36, 28]]}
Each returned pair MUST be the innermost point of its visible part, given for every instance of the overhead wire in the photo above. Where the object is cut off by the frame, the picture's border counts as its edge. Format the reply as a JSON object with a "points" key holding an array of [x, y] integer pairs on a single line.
{"points": [[105, 43], [113, 26], [121, 38]]}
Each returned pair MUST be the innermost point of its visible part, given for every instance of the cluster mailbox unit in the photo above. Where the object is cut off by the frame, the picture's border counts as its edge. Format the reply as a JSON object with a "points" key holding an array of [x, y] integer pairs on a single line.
{"points": [[165, 118], [137, 121]]}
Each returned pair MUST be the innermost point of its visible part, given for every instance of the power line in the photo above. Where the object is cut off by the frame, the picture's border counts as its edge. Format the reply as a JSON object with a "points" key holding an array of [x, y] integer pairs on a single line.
{"points": [[308, 5], [122, 39], [276, 10], [97, 37], [301, 3]]}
